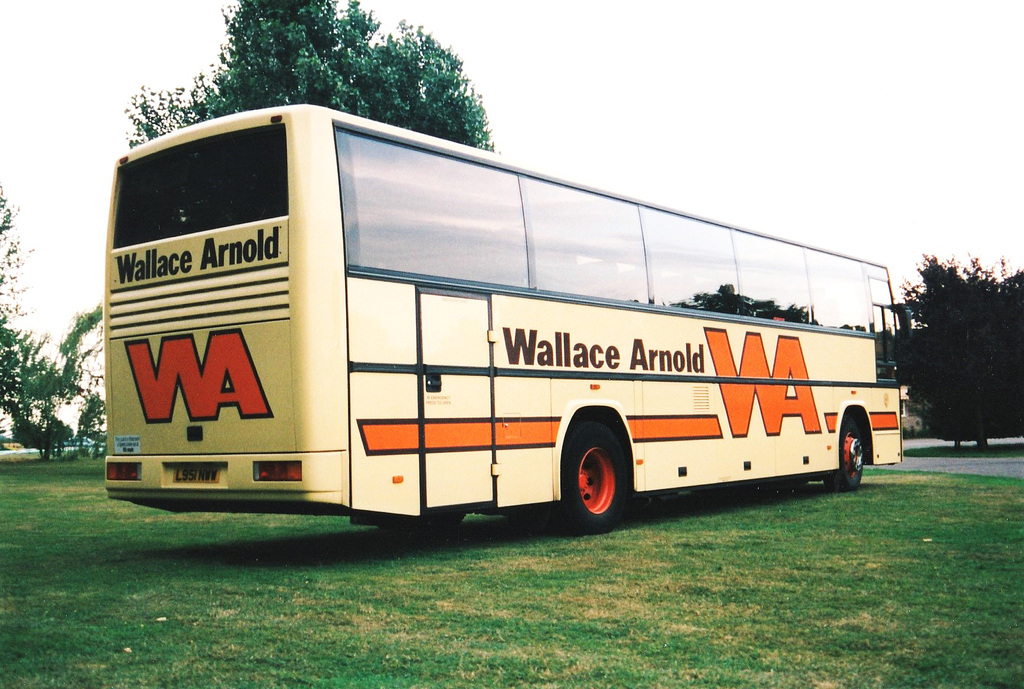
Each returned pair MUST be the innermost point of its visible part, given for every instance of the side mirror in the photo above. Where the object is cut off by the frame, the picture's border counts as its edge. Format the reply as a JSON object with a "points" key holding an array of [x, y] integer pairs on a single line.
{"points": [[904, 317]]}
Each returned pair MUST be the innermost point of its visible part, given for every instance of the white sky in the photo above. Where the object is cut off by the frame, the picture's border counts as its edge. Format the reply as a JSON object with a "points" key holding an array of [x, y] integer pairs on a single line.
{"points": [[884, 130]]}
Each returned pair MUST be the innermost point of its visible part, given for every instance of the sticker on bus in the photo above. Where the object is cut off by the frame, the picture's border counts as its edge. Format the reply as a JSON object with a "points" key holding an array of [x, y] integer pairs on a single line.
{"points": [[127, 445]]}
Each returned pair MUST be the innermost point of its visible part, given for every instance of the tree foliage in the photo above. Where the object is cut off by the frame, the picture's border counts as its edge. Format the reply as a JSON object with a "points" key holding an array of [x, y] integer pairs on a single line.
{"points": [[11, 258], [281, 52], [964, 359], [50, 382]]}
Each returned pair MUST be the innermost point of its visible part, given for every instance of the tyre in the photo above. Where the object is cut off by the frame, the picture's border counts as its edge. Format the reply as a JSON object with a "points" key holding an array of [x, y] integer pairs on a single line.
{"points": [[595, 480], [851, 457]]}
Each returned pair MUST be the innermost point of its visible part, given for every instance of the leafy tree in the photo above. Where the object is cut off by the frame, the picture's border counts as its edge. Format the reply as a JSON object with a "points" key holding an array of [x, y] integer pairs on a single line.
{"points": [[92, 424], [41, 395], [964, 359], [281, 52], [11, 258], [50, 382]]}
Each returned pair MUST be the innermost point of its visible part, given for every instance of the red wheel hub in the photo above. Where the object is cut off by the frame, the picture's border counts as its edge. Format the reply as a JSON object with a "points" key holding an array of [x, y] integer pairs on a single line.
{"points": [[853, 454], [597, 480]]}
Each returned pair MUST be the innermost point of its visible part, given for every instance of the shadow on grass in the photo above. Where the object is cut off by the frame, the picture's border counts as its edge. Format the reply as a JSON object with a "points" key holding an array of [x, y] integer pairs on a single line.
{"points": [[356, 545], [351, 545]]}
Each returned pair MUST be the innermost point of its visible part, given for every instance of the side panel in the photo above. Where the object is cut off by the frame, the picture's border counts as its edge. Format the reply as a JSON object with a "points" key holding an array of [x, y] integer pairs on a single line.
{"points": [[887, 440], [385, 457], [525, 431], [719, 401], [421, 420], [705, 402], [458, 436], [383, 397]]}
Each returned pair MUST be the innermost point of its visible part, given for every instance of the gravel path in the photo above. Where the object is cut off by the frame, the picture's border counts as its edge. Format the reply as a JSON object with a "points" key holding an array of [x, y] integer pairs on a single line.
{"points": [[1010, 467]]}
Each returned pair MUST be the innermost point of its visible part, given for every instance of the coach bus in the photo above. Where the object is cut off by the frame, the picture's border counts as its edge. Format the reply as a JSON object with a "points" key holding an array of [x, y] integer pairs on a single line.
{"points": [[309, 312]]}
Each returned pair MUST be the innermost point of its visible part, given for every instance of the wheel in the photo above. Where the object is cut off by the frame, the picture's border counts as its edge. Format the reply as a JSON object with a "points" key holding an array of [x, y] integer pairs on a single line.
{"points": [[595, 480], [851, 457]]}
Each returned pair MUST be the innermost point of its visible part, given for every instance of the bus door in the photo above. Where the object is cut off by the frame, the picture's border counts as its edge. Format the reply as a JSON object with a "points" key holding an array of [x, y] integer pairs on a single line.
{"points": [[456, 400]]}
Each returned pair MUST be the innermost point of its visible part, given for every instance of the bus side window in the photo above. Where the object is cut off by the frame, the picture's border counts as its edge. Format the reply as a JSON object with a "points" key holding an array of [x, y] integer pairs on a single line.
{"points": [[692, 262], [773, 278], [838, 298], [414, 212], [585, 243]]}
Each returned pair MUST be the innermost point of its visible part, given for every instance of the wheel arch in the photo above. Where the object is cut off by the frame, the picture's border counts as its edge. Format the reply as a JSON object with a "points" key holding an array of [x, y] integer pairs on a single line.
{"points": [[859, 413], [609, 414]]}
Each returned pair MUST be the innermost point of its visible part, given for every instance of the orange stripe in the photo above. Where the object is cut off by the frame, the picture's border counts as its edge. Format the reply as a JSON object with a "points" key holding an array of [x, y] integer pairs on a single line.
{"points": [[390, 438], [526, 433], [885, 420], [402, 435], [440, 435], [654, 428], [830, 422]]}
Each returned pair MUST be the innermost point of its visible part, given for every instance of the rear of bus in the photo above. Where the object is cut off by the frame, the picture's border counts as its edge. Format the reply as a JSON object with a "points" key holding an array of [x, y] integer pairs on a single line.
{"points": [[225, 351]]}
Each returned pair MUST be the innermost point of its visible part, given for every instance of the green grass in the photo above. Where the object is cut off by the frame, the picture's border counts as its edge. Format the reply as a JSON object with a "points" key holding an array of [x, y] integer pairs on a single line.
{"points": [[967, 451], [914, 581]]}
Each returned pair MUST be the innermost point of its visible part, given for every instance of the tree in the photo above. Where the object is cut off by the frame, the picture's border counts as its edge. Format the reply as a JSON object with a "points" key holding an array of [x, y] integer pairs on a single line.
{"points": [[964, 359], [51, 382], [281, 52], [11, 259], [92, 425]]}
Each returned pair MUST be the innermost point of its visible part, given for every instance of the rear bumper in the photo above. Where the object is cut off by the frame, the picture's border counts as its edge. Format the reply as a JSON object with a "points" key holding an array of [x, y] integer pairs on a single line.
{"points": [[322, 489]]}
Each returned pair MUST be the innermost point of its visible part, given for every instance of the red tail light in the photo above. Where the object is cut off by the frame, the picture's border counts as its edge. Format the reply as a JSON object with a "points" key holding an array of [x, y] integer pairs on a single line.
{"points": [[124, 471], [277, 471]]}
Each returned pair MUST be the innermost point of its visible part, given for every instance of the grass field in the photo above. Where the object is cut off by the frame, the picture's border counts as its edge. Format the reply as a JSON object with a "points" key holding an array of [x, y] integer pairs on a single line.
{"points": [[914, 581]]}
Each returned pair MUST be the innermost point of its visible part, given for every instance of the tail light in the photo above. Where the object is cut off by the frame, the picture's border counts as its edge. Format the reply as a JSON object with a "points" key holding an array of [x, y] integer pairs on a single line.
{"points": [[124, 471], [277, 471]]}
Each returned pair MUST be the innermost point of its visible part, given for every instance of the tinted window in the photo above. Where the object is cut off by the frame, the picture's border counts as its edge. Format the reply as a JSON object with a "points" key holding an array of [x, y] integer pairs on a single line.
{"points": [[585, 243], [417, 212], [773, 278], [692, 262], [226, 180], [838, 290]]}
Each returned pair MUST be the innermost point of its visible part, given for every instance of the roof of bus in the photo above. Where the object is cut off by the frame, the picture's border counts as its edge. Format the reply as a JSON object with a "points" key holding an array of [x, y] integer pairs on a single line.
{"points": [[408, 137]]}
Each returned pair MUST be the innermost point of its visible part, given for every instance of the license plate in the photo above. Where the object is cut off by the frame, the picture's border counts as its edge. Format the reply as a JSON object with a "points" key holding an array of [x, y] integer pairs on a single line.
{"points": [[196, 474]]}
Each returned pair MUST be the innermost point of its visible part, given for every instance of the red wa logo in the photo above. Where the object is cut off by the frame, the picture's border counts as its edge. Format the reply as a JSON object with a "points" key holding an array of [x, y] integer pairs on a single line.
{"points": [[773, 398], [224, 377]]}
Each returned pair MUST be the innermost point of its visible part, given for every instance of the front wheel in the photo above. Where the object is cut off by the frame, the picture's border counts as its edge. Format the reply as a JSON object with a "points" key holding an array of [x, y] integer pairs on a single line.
{"points": [[595, 480], [851, 457]]}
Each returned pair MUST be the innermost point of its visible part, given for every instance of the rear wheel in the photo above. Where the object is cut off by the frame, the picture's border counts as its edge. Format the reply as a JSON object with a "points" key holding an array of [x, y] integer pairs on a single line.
{"points": [[595, 480], [851, 457]]}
